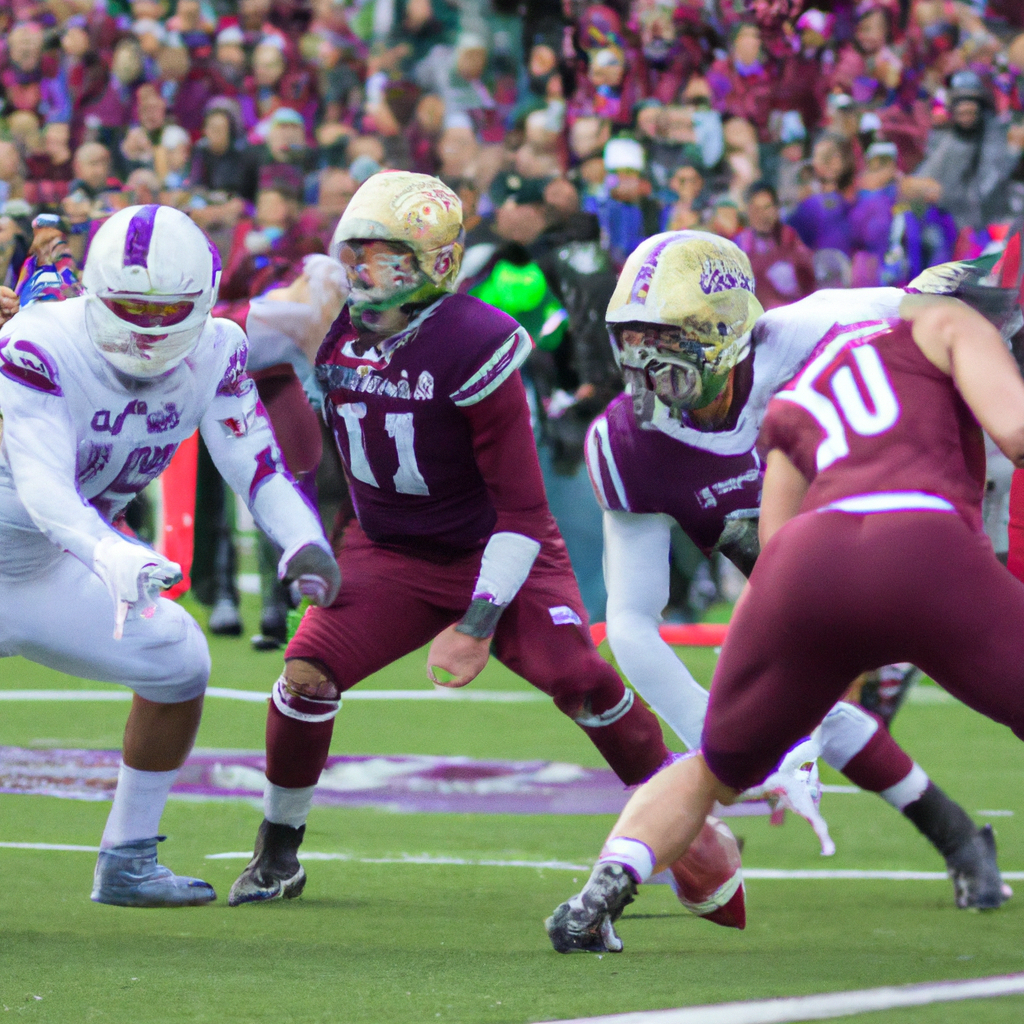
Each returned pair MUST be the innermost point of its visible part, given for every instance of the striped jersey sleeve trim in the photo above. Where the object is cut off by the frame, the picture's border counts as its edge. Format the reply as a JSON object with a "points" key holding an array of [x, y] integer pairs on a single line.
{"points": [[601, 465], [509, 357]]}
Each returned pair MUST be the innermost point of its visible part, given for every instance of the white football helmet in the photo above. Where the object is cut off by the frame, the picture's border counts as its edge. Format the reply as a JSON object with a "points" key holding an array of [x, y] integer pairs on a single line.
{"points": [[681, 315], [151, 279], [417, 210]]}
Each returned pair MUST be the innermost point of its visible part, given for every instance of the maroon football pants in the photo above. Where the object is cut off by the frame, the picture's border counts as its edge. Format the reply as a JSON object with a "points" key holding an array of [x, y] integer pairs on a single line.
{"points": [[834, 595], [392, 602]]}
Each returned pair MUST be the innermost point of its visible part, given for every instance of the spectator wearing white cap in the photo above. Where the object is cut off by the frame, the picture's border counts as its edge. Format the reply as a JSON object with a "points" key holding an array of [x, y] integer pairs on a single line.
{"points": [[230, 63], [624, 207], [172, 157]]}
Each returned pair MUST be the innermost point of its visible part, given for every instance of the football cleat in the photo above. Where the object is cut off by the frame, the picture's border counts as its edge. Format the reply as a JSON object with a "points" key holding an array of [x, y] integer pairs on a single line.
{"points": [[273, 632], [128, 875], [585, 923], [708, 878], [977, 884], [224, 618], [274, 871]]}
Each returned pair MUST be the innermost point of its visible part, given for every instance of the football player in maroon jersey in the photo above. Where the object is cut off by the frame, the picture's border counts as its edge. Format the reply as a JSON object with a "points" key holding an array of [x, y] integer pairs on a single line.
{"points": [[872, 552], [454, 541], [679, 447]]}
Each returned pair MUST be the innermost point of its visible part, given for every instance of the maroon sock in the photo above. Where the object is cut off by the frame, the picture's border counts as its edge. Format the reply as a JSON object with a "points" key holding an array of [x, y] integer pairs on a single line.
{"points": [[296, 751], [881, 764]]}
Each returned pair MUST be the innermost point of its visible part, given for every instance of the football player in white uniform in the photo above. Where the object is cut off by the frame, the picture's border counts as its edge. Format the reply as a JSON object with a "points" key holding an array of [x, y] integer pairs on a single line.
{"points": [[96, 393]]}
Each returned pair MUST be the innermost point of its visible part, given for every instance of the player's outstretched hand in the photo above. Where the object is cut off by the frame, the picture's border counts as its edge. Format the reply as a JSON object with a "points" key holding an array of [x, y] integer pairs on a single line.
{"points": [[455, 659], [9, 305], [134, 575], [314, 573]]}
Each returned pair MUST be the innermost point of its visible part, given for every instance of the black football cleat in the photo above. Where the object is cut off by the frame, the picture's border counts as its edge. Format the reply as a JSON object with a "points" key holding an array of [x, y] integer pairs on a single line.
{"points": [[977, 883], [274, 871], [585, 923]]}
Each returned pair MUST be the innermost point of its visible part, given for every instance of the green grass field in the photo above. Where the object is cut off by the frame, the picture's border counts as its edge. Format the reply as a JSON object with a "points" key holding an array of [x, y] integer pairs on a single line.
{"points": [[383, 943]]}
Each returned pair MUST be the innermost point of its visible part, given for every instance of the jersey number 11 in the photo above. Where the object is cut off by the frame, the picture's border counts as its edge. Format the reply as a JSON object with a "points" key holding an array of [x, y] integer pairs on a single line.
{"points": [[399, 426]]}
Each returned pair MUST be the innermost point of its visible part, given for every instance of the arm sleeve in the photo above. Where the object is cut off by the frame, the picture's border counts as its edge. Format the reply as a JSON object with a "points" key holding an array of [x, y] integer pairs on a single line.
{"points": [[41, 448], [636, 575], [241, 443]]}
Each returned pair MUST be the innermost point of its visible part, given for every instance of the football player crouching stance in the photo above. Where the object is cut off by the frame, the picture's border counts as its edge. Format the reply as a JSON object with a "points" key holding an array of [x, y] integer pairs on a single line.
{"points": [[454, 541], [97, 392], [905, 475]]}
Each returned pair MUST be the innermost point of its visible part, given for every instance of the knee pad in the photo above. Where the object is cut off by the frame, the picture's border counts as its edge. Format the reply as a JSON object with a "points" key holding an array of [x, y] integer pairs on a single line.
{"points": [[844, 733], [307, 692], [186, 666]]}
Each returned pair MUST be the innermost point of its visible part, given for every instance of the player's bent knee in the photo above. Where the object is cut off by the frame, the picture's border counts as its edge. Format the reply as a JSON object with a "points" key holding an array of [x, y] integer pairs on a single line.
{"points": [[844, 733], [185, 666], [307, 691]]}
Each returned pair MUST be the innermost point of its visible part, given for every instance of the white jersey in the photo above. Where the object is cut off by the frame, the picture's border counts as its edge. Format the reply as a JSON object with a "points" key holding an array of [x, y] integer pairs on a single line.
{"points": [[637, 535], [782, 341], [81, 440]]}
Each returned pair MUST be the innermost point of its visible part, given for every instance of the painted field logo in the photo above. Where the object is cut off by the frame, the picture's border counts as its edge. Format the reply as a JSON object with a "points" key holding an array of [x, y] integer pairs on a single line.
{"points": [[718, 275]]}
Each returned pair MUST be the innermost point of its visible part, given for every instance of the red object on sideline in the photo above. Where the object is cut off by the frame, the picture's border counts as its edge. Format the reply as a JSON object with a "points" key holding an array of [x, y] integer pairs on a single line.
{"points": [[178, 493], [681, 634]]}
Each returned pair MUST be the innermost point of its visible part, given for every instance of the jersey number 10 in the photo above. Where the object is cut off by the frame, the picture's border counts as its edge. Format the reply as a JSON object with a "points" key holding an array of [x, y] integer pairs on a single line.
{"points": [[408, 479]]}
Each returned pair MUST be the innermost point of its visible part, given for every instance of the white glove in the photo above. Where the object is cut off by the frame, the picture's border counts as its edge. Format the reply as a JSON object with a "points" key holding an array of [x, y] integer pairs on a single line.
{"points": [[794, 786], [133, 575], [313, 572]]}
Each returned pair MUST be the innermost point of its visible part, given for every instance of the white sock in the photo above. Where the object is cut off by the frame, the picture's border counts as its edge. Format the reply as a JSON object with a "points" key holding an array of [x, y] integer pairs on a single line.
{"points": [[910, 788], [635, 856], [138, 803], [287, 806]]}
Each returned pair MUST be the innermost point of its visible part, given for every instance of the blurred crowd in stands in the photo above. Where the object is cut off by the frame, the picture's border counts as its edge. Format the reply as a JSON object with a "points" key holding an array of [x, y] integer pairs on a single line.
{"points": [[838, 142]]}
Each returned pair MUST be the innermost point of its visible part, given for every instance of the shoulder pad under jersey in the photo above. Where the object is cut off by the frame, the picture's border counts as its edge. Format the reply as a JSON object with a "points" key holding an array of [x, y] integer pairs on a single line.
{"points": [[228, 349]]}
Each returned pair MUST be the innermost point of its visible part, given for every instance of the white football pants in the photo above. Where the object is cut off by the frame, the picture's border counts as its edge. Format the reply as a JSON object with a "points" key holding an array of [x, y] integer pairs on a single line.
{"points": [[57, 612]]}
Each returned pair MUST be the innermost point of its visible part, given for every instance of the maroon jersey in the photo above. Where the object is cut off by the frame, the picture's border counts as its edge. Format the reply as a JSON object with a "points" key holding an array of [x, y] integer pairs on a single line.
{"points": [[434, 431], [648, 471], [876, 427]]}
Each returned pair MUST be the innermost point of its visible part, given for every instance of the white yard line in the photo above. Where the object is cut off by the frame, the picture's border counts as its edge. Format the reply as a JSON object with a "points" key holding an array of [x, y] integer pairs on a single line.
{"points": [[821, 1007], [50, 846], [760, 874], [929, 695], [258, 697]]}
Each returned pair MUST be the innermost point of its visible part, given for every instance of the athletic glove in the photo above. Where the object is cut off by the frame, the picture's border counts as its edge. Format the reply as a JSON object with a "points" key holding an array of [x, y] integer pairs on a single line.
{"points": [[794, 786], [134, 575], [313, 572]]}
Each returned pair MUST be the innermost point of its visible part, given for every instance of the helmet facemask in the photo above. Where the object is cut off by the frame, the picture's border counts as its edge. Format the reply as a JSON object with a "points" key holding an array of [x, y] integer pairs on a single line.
{"points": [[383, 276], [681, 318], [665, 362], [401, 238], [134, 333]]}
